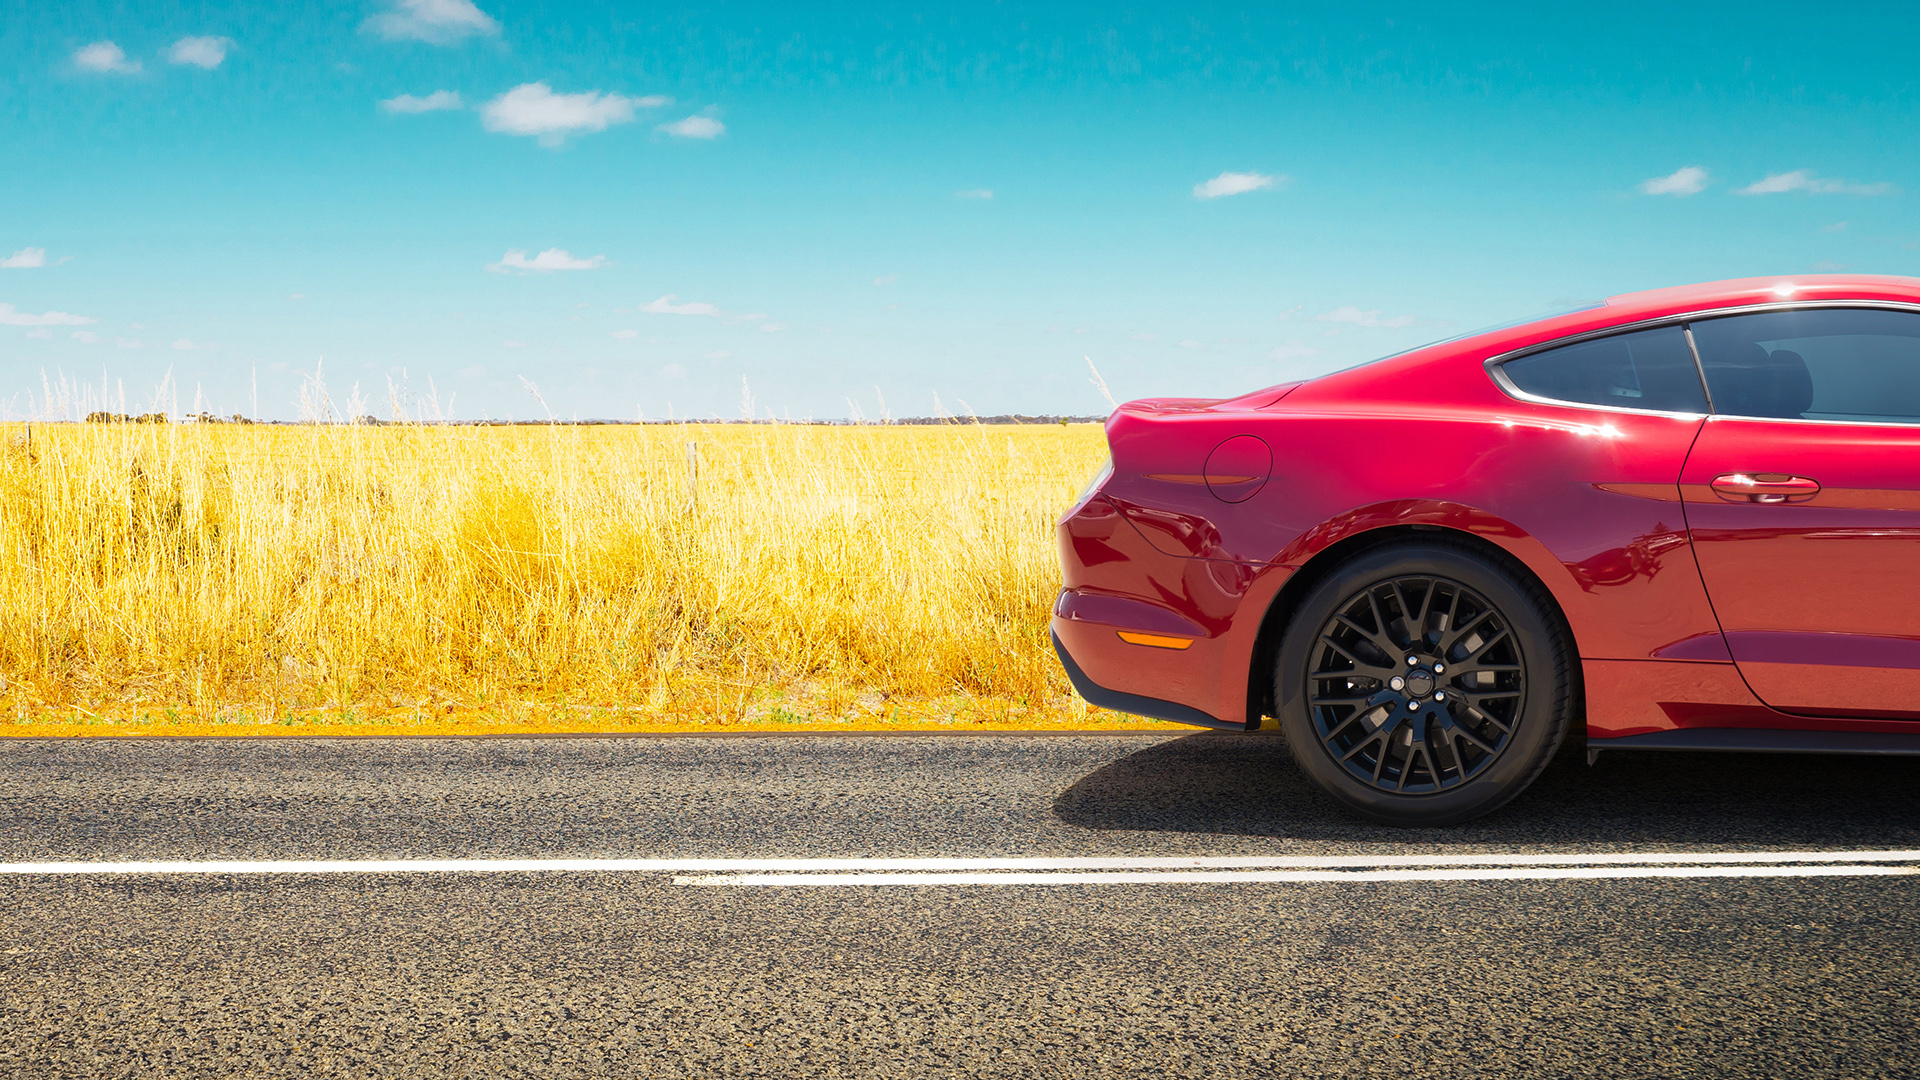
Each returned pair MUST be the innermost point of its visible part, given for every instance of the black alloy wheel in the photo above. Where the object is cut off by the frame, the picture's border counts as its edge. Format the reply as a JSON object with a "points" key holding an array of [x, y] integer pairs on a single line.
{"points": [[1424, 683], [1416, 684]]}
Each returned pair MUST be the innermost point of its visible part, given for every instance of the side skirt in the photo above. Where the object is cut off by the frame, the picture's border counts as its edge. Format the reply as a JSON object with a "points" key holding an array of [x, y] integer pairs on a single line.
{"points": [[1763, 741], [1153, 708]]}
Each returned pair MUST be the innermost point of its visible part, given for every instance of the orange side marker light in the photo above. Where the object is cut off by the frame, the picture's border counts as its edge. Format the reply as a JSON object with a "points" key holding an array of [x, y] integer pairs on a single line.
{"points": [[1155, 640]]}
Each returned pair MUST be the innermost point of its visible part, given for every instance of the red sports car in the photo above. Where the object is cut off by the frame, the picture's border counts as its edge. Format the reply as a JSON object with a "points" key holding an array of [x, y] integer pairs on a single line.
{"points": [[1683, 519]]}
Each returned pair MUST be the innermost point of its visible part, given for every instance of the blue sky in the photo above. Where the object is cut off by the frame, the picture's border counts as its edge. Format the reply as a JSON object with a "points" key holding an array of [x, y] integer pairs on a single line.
{"points": [[849, 204]]}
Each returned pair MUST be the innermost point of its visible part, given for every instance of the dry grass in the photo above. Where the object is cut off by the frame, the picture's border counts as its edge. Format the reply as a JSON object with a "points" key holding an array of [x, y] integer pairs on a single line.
{"points": [[210, 577]]}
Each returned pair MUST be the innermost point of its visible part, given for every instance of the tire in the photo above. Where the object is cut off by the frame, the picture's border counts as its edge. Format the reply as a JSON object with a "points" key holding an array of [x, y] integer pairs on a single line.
{"points": [[1486, 672]]}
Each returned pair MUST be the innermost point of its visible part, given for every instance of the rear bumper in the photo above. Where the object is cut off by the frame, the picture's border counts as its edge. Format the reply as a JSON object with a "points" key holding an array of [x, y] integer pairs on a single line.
{"points": [[1138, 705]]}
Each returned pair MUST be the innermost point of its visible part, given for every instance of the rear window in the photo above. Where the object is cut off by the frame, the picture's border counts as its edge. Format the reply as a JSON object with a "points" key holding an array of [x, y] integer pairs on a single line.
{"points": [[1646, 369]]}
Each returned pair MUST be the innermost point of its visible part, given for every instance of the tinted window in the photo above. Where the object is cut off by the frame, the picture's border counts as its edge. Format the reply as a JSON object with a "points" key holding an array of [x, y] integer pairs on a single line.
{"points": [[1647, 369], [1831, 364]]}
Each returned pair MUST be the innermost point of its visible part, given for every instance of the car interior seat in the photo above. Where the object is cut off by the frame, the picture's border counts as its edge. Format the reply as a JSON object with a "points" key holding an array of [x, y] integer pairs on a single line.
{"points": [[1755, 382]]}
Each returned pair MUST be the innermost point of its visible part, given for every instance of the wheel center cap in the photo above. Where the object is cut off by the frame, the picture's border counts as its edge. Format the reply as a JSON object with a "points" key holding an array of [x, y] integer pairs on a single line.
{"points": [[1420, 683]]}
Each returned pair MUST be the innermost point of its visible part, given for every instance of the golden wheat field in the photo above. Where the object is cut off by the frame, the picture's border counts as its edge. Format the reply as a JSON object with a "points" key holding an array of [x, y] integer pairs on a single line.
{"points": [[196, 577]]}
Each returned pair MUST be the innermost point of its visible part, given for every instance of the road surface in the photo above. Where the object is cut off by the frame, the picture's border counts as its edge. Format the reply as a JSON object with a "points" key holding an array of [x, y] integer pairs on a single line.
{"points": [[683, 967]]}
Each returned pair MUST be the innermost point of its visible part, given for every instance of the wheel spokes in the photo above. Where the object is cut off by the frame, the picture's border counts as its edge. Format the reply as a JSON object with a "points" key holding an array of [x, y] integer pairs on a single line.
{"points": [[1379, 734]]}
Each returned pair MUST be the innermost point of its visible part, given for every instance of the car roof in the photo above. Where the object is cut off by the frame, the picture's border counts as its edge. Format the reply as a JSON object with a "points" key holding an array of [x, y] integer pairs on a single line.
{"points": [[1623, 310]]}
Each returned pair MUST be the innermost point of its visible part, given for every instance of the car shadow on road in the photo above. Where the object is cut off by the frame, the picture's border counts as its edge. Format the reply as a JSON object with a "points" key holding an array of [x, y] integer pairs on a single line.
{"points": [[1248, 785]]}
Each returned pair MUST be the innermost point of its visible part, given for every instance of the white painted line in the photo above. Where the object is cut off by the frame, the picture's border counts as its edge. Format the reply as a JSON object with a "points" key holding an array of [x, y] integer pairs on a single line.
{"points": [[955, 865], [1158, 877]]}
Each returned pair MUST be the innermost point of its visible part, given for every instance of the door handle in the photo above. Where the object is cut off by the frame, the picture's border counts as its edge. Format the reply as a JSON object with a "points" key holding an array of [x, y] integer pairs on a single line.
{"points": [[1768, 488]]}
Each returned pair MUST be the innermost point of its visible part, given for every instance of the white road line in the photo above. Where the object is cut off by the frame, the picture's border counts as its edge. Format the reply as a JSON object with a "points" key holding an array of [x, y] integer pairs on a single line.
{"points": [[958, 865], [1143, 877]]}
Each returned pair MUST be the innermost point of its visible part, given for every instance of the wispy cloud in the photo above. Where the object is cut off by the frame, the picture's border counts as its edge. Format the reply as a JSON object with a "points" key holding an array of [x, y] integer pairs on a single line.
{"points": [[1236, 183], [1353, 315], [104, 56], [534, 109], [546, 262], [84, 337], [438, 101], [436, 22], [12, 316], [187, 345], [772, 327], [887, 280], [127, 342], [695, 127], [974, 193], [1687, 180], [25, 259], [201, 52], [1836, 227], [625, 334], [1803, 180], [666, 306]]}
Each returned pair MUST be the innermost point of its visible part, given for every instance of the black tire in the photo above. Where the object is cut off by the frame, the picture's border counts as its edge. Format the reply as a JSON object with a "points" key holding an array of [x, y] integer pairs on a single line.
{"points": [[1487, 685]]}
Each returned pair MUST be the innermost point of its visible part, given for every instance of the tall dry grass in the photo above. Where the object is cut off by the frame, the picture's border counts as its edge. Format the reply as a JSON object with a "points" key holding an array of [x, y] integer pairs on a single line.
{"points": [[245, 574]]}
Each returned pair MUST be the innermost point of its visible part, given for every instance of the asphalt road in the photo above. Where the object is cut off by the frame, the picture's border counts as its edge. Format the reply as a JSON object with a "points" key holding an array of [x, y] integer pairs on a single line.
{"points": [[628, 974]]}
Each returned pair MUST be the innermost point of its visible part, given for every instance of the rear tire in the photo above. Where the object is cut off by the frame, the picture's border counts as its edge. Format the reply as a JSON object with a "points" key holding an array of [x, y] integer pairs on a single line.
{"points": [[1424, 683]]}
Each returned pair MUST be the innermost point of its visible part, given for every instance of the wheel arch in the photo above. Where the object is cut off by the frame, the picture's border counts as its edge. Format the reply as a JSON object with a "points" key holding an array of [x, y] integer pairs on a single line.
{"points": [[1330, 557]]}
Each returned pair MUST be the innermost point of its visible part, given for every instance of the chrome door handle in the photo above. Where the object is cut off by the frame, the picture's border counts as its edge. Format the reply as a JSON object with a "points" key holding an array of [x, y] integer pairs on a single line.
{"points": [[1767, 488]]}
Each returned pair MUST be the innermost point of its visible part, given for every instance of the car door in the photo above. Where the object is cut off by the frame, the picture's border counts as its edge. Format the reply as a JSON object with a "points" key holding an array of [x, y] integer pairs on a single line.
{"points": [[1802, 497]]}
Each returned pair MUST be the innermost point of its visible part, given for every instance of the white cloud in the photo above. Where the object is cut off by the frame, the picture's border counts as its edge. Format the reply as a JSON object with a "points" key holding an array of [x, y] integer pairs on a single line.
{"points": [[297, 296], [104, 56], [1836, 227], [84, 337], [673, 371], [11, 316], [127, 343], [1292, 350], [201, 52], [436, 22], [437, 101], [1688, 180], [974, 193], [773, 327], [695, 127], [1236, 183], [1804, 180], [625, 334], [546, 262], [534, 109], [1351, 314], [25, 259], [185, 345], [666, 306]]}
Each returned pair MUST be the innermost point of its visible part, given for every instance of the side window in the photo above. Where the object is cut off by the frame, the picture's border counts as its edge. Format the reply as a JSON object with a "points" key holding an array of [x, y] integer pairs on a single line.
{"points": [[1646, 369], [1815, 364]]}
